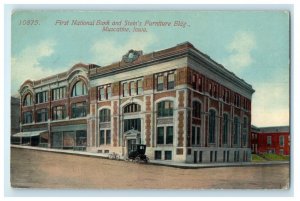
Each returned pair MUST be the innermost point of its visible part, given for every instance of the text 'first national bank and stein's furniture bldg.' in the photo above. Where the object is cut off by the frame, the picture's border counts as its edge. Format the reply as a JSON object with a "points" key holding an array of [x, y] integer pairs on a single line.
{"points": [[180, 103]]}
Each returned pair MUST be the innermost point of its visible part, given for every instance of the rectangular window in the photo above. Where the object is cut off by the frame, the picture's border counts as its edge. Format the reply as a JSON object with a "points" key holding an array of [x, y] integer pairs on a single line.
{"points": [[200, 84], [169, 138], [211, 156], [108, 92], [198, 135], [210, 89], [58, 112], [168, 155], [139, 87], [79, 110], [132, 124], [41, 97], [160, 83], [132, 88], [281, 140], [281, 152], [216, 156], [58, 93], [194, 81], [200, 156], [160, 135], [157, 155], [225, 128], [101, 137], [193, 135], [42, 115], [108, 137], [125, 89], [269, 140], [102, 93], [171, 82]]}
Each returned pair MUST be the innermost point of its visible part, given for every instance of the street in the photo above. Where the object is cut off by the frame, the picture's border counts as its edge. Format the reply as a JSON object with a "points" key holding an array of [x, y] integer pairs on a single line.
{"points": [[39, 169]]}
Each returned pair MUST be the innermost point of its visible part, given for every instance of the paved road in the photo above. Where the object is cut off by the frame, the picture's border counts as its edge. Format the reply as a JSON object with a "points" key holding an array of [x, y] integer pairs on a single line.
{"points": [[32, 168]]}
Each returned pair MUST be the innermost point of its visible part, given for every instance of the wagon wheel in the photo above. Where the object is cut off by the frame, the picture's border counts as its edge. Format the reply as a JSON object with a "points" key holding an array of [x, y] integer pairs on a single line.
{"points": [[137, 159]]}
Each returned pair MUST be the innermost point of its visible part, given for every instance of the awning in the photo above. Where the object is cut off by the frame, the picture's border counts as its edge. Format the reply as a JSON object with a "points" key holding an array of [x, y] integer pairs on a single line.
{"points": [[29, 133]]}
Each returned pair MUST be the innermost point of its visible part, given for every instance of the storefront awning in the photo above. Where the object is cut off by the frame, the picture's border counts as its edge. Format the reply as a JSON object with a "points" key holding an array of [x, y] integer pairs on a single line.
{"points": [[29, 133]]}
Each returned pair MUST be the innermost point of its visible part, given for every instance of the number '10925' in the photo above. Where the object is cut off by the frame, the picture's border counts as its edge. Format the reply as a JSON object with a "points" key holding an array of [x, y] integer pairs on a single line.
{"points": [[29, 22]]}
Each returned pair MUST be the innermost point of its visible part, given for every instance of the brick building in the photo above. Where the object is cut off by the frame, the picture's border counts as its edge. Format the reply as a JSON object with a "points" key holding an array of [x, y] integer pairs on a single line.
{"points": [[179, 102], [270, 140]]}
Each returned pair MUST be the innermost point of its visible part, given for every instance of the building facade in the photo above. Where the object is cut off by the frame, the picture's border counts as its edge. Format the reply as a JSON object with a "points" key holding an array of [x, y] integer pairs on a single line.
{"points": [[270, 140], [179, 102]]}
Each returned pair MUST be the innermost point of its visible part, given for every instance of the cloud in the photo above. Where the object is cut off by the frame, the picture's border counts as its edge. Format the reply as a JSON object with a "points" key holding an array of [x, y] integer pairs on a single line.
{"points": [[240, 51], [270, 104], [27, 65], [107, 51]]}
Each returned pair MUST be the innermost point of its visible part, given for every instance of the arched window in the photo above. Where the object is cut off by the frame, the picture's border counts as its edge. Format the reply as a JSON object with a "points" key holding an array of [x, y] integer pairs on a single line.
{"points": [[225, 128], [133, 107], [79, 89], [165, 109], [212, 126], [236, 131], [104, 115], [27, 100], [196, 109]]}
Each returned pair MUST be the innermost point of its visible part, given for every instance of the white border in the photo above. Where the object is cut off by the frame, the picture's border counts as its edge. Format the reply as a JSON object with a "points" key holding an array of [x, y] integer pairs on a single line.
{"points": [[214, 5]]}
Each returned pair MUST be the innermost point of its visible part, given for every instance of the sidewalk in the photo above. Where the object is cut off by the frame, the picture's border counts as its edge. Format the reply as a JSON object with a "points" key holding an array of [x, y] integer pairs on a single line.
{"points": [[158, 162]]}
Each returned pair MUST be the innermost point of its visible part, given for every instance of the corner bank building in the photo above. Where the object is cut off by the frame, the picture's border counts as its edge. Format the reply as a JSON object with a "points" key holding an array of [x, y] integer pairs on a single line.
{"points": [[180, 103]]}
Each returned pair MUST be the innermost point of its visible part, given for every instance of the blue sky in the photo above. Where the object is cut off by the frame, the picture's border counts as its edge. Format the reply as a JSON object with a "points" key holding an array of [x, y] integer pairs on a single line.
{"points": [[253, 45]]}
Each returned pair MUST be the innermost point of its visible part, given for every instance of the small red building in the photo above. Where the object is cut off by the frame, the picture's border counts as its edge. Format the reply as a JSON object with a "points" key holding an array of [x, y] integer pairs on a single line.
{"points": [[270, 140]]}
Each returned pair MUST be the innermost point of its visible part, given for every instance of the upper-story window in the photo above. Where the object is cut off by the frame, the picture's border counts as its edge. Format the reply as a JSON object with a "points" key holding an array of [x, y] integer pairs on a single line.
{"points": [[200, 84], [225, 128], [165, 109], [194, 81], [236, 131], [196, 109], [59, 112], [281, 140], [160, 83], [133, 107], [171, 81], [269, 140], [42, 115], [210, 91], [125, 89], [108, 92], [27, 117], [132, 88], [27, 100], [237, 100], [58, 93], [79, 110], [245, 132], [41, 97], [215, 90], [104, 115], [212, 126], [79, 89], [139, 87], [104, 92]]}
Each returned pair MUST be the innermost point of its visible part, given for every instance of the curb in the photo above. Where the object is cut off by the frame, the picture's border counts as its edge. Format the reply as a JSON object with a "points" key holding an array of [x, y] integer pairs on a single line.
{"points": [[158, 163]]}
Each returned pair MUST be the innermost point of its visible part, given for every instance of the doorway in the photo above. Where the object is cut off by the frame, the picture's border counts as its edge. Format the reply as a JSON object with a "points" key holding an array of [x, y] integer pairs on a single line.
{"points": [[131, 143], [195, 157]]}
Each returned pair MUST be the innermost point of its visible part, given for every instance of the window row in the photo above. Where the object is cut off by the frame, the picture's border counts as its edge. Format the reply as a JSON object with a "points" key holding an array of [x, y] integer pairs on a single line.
{"points": [[281, 140], [79, 89], [58, 113], [104, 92], [160, 86], [238, 129], [132, 88]]}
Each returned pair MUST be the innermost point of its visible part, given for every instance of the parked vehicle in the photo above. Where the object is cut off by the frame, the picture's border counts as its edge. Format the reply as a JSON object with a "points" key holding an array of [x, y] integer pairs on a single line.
{"points": [[138, 154]]}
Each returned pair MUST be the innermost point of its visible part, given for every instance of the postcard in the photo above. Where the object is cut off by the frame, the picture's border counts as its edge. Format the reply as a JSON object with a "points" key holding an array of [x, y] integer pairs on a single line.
{"points": [[150, 99]]}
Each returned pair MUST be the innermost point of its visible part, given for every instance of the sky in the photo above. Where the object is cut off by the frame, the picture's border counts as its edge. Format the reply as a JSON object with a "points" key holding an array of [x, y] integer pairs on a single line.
{"points": [[254, 45]]}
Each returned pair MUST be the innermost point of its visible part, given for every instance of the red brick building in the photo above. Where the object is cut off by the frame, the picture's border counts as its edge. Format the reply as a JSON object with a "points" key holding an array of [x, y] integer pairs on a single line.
{"points": [[270, 140], [179, 102]]}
